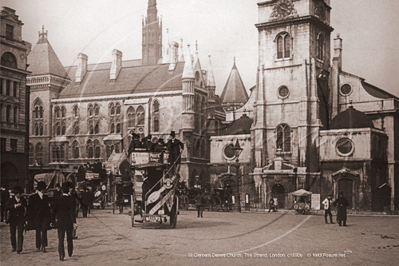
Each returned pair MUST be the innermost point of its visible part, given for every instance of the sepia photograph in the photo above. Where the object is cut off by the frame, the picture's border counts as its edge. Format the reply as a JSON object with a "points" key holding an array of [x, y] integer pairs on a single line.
{"points": [[199, 132]]}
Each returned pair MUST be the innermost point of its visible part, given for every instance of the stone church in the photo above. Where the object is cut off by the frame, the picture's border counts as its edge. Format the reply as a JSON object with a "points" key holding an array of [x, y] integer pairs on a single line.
{"points": [[87, 112], [308, 123]]}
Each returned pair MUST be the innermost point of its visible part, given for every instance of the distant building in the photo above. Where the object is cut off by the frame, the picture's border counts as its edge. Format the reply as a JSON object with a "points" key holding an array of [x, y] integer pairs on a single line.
{"points": [[14, 101], [86, 112]]}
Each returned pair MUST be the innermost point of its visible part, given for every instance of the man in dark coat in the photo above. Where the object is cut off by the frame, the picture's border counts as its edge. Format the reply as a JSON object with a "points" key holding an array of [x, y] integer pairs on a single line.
{"points": [[39, 215], [57, 192], [85, 201], [341, 204], [4, 198], [64, 217], [17, 210], [199, 203], [174, 147]]}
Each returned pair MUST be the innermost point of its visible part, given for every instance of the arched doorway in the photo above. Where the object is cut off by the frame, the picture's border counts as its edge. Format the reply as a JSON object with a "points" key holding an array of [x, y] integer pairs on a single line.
{"points": [[278, 191], [346, 186]]}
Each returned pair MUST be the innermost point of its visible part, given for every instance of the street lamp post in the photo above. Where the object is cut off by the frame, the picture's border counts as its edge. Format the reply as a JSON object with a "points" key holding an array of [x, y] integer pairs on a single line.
{"points": [[237, 150]]}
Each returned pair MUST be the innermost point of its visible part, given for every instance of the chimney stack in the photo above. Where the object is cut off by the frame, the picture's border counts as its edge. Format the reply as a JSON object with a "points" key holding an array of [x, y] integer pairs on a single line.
{"points": [[82, 68], [116, 64]]}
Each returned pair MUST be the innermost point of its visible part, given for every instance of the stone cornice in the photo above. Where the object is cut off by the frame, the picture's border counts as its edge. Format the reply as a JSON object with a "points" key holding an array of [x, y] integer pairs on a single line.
{"points": [[298, 20], [20, 71], [114, 97]]}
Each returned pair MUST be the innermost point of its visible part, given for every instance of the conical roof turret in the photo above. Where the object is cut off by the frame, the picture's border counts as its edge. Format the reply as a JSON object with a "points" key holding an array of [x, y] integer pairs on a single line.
{"points": [[234, 91]]}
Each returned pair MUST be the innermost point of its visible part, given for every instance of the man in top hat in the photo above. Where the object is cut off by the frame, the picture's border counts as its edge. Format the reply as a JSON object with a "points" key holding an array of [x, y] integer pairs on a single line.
{"points": [[17, 210], [175, 147], [64, 217], [341, 204], [40, 215]]}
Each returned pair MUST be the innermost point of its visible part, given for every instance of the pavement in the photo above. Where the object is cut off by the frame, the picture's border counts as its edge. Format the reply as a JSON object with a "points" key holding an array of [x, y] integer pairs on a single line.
{"points": [[220, 238]]}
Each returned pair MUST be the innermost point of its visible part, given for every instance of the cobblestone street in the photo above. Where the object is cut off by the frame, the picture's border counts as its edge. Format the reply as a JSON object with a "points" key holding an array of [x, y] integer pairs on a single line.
{"points": [[245, 239]]}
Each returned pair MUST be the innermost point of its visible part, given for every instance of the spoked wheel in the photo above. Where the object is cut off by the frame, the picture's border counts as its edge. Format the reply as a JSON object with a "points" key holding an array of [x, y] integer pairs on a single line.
{"points": [[216, 203]]}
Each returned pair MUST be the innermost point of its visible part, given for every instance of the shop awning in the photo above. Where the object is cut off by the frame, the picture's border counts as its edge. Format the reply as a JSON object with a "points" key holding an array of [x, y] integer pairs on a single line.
{"points": [[113, 137], [301, 192]]}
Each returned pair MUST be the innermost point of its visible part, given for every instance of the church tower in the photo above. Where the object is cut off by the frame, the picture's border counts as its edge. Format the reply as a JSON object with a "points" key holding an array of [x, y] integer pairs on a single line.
{"points": [[292, 91], [152, 36]]}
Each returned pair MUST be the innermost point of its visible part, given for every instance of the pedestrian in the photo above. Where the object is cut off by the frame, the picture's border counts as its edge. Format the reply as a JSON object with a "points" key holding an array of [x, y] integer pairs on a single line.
{"points": [[16, 207], [271, 205], [57, 192], [5, 195], [77, 198], [199, 202], [175, 147], [327, 209], [85, 201], [65, 220], [341, 204], [39, 216]]}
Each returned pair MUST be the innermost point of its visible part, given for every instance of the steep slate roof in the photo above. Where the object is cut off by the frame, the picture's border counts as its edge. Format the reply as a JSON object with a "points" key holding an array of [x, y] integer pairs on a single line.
{"points": [[351, 118], [240, 126], [234, 90], [131, 79], [43, 60], [377, 92]]}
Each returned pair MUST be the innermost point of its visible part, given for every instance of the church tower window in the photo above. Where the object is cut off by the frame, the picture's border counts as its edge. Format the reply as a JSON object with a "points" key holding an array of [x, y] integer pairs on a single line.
{"points": [[320, 47], [284, 137], [283, 46]]}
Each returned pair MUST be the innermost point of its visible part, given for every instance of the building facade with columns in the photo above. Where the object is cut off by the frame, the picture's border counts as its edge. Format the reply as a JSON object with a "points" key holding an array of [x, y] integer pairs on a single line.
{"points": [[85, 112], [315, 126], [14, 101]]}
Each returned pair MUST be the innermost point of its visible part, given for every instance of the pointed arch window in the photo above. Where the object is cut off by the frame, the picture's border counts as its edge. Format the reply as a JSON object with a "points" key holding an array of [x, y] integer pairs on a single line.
{"points": [[140, 115], [31, 153], [96, 109], [284, 138], [111, 109], [112, 127], [283, 45], [39, 153], [118, 109], [155, 115], [118, 127], [110, 148], [97, 150], [57, 129], [76, 128], [63, 111], [89, 149], [96, 129], [76, 111], [57, 112], [75, 149], [63, 129], [90, 110], [131, 115]]}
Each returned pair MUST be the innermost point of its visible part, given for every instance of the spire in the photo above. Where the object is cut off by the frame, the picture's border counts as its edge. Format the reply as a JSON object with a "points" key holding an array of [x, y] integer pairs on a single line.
{"points": [[210, 77], [188, 72], [234, 91], [152, 36], [42, 36], [181, 59]]}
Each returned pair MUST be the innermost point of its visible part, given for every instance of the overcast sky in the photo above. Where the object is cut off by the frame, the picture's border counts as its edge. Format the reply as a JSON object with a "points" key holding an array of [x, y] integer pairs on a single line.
{"points": [[224, 29]]}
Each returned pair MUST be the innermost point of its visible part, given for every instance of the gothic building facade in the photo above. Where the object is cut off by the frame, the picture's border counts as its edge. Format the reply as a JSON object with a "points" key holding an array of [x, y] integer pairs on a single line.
{"points": [[14, 100], [86, 112]]}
